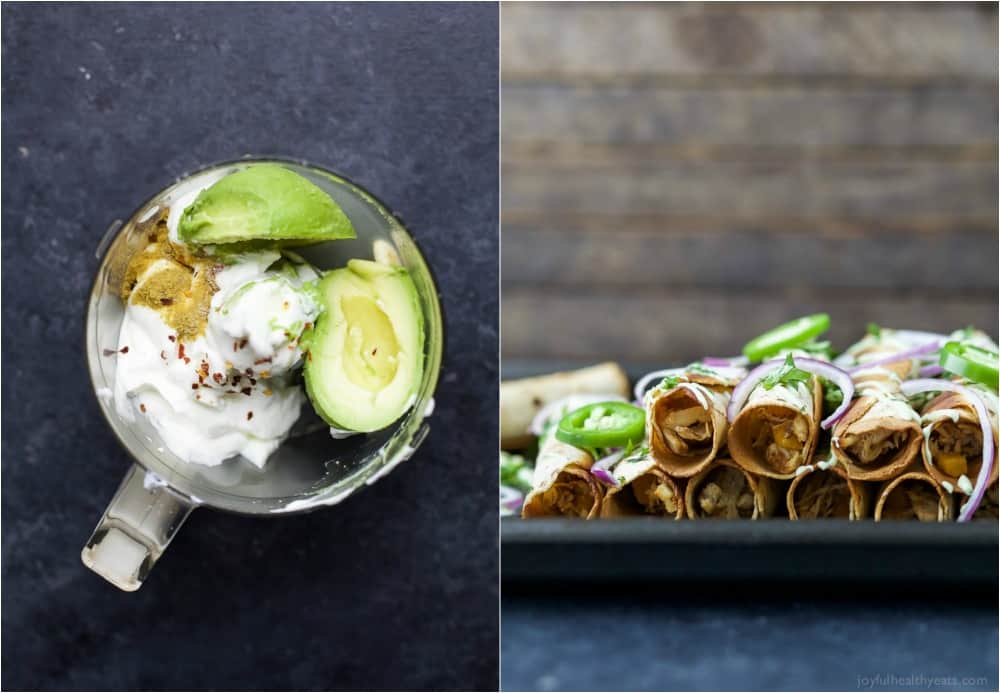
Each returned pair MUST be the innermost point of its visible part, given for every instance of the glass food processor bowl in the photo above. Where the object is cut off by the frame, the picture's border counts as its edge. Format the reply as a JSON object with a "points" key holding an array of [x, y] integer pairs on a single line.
{"points": [[310, 469]]}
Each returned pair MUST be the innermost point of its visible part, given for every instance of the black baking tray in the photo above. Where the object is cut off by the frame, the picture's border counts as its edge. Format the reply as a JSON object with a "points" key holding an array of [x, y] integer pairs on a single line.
{"points": [[561, 553]]}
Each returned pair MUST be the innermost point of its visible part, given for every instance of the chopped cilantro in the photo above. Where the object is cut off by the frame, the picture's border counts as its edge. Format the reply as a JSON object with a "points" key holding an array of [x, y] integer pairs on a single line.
{"points": [[874, 330], [786, 374], [670, 382]]}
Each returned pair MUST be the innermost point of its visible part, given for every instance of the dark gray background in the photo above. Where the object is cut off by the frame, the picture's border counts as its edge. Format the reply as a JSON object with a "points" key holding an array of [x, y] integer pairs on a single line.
{"points": [[102, 106]]}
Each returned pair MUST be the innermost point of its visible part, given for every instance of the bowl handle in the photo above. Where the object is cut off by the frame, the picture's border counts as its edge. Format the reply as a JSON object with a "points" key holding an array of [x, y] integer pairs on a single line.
{"points": [[135, 530]]}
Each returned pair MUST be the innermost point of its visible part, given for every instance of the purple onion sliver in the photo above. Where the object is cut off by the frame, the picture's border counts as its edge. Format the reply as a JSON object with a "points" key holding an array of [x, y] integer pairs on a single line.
{"points": [[900, 356], [604, 476], [931, 371]]}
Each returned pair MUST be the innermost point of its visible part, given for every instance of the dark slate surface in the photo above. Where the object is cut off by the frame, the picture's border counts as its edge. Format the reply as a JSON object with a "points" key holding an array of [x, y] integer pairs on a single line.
{"points": [[732, 641], [102, 106]]}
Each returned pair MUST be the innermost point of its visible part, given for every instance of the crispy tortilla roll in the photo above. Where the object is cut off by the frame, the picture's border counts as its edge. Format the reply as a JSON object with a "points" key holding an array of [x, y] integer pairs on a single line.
{"points": [[821, 493], [723, 490], [562, 484], [776, 431], [873, 348], [953, 440], [988, 509], [914, 496], [644, 489], [686, 424], [879, 435], [521, 399]]}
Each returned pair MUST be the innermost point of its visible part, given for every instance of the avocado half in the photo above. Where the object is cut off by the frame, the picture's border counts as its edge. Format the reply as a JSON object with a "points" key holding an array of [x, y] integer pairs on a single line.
{"points": [[366, 353], [263, 202]]}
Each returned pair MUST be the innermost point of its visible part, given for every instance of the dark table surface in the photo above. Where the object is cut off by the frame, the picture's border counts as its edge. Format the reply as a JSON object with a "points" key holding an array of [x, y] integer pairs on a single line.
{"points": [[102, 106], [735, 640]]}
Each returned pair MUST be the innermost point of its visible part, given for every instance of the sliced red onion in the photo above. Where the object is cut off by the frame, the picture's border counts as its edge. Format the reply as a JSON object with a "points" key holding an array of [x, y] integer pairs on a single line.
{"points": [[601, 469], [726, 362], [899, 356], [915, 387], [839, 377], [640, 387], [931, 371], [511, 498], [918, 336], [569, 403]]}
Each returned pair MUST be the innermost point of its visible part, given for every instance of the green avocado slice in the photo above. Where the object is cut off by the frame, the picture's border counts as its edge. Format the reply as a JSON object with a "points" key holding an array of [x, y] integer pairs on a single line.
{"points": [[263, 202], [366, 353]]}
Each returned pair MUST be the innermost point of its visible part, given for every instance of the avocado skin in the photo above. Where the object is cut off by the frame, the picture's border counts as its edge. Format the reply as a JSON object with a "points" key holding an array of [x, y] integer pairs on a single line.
{"points": [[397, 288], [263, 202]]}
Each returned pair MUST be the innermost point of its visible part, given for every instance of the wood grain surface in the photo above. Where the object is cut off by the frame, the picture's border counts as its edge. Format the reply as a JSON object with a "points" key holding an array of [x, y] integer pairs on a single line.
{"points": [[679, 177]]}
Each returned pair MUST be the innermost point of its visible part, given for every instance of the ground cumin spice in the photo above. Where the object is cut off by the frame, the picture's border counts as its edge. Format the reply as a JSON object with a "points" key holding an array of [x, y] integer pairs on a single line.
{"points": [[172, 281]]}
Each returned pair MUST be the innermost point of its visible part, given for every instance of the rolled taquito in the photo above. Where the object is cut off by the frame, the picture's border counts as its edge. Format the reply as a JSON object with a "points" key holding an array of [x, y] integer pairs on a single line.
{"points": [[952, 449], [724, 490], [686, 419], [879, 436], [914, 496], [643, 488], [776, 430], [562, 484], [521, 399], [876, 347], [821, 491]]}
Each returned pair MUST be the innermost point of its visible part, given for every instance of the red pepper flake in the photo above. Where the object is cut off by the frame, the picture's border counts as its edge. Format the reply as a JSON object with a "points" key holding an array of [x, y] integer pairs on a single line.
{"points": [[194, 386], [163, 355], [374, 351], [236, 345], [249, 372], [249, 415], [218, 377], [142, 408], [172, 338], [244, 342], [198, 397], [180, 350], [123, 350], [246, 391], [266, 359], [166, 301]]}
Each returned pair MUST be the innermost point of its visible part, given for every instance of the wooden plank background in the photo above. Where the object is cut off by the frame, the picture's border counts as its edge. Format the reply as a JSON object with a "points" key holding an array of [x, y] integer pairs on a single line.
{"points": [[679, 177]]}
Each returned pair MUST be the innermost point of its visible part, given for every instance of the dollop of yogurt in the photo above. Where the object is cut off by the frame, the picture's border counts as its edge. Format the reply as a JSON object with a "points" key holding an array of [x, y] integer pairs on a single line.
{"points": [[228, 391]]}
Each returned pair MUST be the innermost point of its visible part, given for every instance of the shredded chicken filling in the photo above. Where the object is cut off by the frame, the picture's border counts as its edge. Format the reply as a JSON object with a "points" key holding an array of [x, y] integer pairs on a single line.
{"points": [[912, 499], [687, 431], [956, 448], [780, 440], [655, 496], [876, 447], [569, 495], [725, 493], [822, 494]]}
